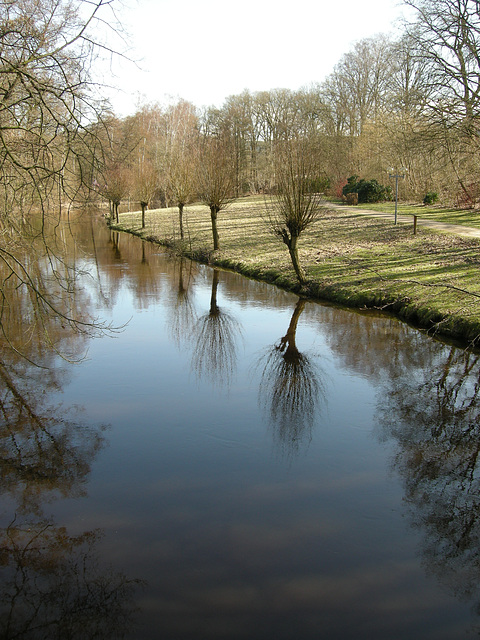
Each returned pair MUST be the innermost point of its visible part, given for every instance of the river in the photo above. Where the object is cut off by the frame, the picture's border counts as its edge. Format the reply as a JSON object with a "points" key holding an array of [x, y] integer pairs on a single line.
{"points": [[234, 462]]}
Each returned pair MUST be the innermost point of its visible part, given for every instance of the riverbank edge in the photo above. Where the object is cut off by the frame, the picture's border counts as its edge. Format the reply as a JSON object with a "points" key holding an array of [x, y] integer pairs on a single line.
{"points": [[462, 331]]}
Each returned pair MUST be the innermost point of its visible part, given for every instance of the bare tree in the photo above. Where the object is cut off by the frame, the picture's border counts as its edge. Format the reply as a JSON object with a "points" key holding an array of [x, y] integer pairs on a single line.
{"points": [[45, 107], [117, 180], [239, 121], [181, 183], [46, 47], [181, 155], [295, 206], [216, 179], [115, 171], [446, 35], [146, 182], [356, 89]]}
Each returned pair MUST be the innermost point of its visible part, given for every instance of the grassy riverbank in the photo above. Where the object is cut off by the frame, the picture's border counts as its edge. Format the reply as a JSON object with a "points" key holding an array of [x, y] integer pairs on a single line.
{"points": [[429, 279]]}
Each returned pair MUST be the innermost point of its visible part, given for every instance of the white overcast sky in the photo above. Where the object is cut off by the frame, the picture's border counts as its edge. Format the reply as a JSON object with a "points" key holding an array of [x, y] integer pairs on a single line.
{"points": [[206, 50]]}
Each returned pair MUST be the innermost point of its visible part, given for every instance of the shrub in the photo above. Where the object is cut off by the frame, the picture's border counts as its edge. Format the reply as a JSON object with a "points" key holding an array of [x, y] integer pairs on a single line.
{"points": [[337, 189], [368, 190], [431, 197], [351, 186], [319, 184], [352, 198]]}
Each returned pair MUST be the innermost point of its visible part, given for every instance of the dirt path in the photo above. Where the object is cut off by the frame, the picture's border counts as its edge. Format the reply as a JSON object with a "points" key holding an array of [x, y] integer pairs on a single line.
{"points": [[457, 229]]}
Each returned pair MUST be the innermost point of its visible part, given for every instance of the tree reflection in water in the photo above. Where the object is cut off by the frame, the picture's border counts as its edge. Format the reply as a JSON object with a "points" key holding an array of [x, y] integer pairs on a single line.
{"points": [[183, 315], [215, 350], [290, 389], [44, 452], [433, 414], [52, 584]]}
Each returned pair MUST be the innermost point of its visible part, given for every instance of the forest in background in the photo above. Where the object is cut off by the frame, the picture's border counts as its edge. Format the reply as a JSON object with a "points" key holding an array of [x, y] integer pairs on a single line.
{"points": [[408, 105]]}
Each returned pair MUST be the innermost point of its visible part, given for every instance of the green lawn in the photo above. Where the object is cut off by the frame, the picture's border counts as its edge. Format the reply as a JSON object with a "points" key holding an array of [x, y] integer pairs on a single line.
{"points": [[430, 279]]}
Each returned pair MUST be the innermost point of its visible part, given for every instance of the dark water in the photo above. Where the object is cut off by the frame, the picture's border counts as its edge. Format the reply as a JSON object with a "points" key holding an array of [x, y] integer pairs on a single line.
{"points": [[237, 463]]}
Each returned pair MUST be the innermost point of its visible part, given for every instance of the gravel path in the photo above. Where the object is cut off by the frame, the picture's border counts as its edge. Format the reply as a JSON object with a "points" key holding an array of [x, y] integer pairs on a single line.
{"points": [[457, 229]]}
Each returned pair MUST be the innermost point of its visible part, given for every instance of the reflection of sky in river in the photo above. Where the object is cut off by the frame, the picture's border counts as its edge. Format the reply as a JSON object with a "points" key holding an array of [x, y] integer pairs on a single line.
{"points": [[234, 538]]}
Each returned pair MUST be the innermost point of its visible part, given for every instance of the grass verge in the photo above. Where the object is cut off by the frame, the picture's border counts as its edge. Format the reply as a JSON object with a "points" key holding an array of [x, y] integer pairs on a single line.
{"points": [[430, 280]]}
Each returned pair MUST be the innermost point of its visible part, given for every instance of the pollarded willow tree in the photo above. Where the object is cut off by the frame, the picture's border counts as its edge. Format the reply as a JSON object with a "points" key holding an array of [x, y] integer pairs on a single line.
{"points": [[146, 184], [46, 48], [296, 205], [216, 179], [181, 156]]}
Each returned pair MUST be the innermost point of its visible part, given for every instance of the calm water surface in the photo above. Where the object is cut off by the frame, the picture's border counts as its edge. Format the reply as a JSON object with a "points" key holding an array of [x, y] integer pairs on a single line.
{"points": [[239, 463]]}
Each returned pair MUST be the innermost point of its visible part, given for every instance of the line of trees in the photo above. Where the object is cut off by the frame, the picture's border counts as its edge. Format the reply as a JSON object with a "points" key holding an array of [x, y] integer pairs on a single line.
{"points": [[409, 102]]}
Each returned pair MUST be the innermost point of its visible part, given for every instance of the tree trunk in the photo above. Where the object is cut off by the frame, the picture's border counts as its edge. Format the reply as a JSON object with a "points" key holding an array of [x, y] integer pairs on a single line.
{"points": [[293, 250], [214, 310], [180, 218], [288, 343], [213, 215], [144, 206]]}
